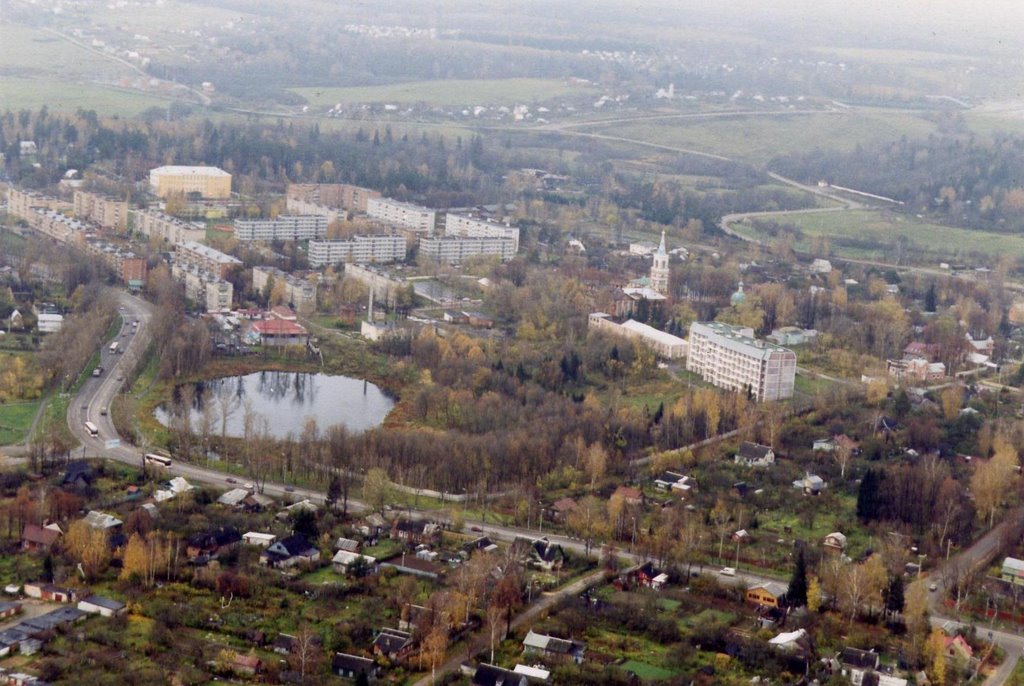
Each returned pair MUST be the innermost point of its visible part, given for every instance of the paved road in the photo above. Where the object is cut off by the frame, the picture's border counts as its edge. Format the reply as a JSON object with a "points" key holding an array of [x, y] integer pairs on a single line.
{"points": [[99, 393], [978, 556]]}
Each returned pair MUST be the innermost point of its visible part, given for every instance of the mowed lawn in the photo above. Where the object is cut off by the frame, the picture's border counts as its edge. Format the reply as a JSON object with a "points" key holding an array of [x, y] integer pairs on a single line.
{"points": [[454, 93], [15, 420], [884, 228], [647, 672], [762, 137]]}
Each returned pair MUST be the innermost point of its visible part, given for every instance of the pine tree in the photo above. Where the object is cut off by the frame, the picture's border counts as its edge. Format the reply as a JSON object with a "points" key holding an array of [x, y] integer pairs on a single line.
{"points": [[930, 299], [894, 600], [867, 496], [797, 594]]}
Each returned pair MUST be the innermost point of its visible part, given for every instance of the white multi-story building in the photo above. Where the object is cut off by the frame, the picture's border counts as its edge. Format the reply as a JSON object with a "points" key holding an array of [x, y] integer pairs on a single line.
{"points": [[461, 226], [298, 227], [300, 293], [371, 248], [731, 357], [301, 206], [451, 250], [204, 288], [205, 259], [163, 227], [402, 215]]}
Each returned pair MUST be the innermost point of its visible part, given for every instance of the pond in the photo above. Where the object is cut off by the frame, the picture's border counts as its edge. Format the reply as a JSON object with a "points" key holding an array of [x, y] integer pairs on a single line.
{"points": [[283, 400]]}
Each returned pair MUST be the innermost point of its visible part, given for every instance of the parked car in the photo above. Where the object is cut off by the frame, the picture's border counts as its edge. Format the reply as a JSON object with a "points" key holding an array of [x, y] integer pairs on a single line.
{"points": [[728, 571]]}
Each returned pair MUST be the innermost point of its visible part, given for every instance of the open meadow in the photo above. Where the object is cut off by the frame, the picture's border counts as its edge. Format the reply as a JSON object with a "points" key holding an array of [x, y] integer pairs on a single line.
{"points": [[871, 234], [453, 93], [758, 138]]}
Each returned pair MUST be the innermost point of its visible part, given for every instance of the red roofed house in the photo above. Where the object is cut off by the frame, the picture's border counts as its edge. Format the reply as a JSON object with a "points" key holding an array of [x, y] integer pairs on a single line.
{"points": [[630, 495], [35, 537], [280, 332], [926, 351], [958, 648]]}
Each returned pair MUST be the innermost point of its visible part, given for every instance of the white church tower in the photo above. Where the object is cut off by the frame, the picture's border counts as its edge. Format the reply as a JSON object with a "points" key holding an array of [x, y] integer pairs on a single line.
{"points": [[659, 270]]}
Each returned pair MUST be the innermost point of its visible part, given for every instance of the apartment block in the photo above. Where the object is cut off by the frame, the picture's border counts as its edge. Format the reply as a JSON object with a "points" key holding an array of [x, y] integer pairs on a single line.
{"points": [[300, 206], [163, 227], [385, 286], [343, 195], [414, 218], [301, 293], [371, 248], [731, 357], [108, 212], [299, 227], [462, 226], [58, 226], [130, 268], [210, 182], [205, 259], [203, 288], [22, 203], [451, 250]]}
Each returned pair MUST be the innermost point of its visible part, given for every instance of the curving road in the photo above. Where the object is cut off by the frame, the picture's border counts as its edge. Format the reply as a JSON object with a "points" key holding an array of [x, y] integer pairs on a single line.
{"points": [[99, 393]]}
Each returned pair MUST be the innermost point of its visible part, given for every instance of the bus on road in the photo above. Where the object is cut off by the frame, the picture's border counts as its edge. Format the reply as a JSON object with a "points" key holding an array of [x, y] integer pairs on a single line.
{"points": [[92, 429], [113, 347], [154, 458]]}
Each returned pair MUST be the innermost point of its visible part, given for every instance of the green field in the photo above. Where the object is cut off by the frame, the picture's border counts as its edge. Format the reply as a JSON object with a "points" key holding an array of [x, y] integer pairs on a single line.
{"points": [[883, 228], [17, 93], [453, 93], [759, 138], [647, 672], [40, 68], [15, 420]]}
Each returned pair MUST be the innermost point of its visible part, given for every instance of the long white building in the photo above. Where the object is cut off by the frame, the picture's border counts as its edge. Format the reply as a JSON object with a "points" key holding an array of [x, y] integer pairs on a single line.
{"points": [[452, 250], [297, 227], [163, 227], [461, 226], [403, 215], [731, 357], [371, 248], [662, 343]]}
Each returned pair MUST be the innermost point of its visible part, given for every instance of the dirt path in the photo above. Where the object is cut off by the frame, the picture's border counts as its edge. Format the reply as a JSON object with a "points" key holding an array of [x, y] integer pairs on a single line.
{"points": [[480, 641]]}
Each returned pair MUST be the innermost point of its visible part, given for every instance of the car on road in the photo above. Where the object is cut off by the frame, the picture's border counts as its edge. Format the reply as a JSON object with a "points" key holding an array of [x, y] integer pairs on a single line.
{"points": [[103, 411], [728, 571], [933, 587], [230, 480], [476, 529], [97, 371], [290, 489], [248, 486]]}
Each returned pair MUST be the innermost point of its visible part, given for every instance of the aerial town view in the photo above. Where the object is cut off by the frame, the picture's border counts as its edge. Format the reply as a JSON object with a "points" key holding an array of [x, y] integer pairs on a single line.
{"points": [[504, 344]]}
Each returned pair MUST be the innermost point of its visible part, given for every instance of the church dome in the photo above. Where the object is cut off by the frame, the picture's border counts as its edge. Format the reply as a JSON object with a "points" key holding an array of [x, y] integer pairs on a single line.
{"points": [[739, 296]]}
